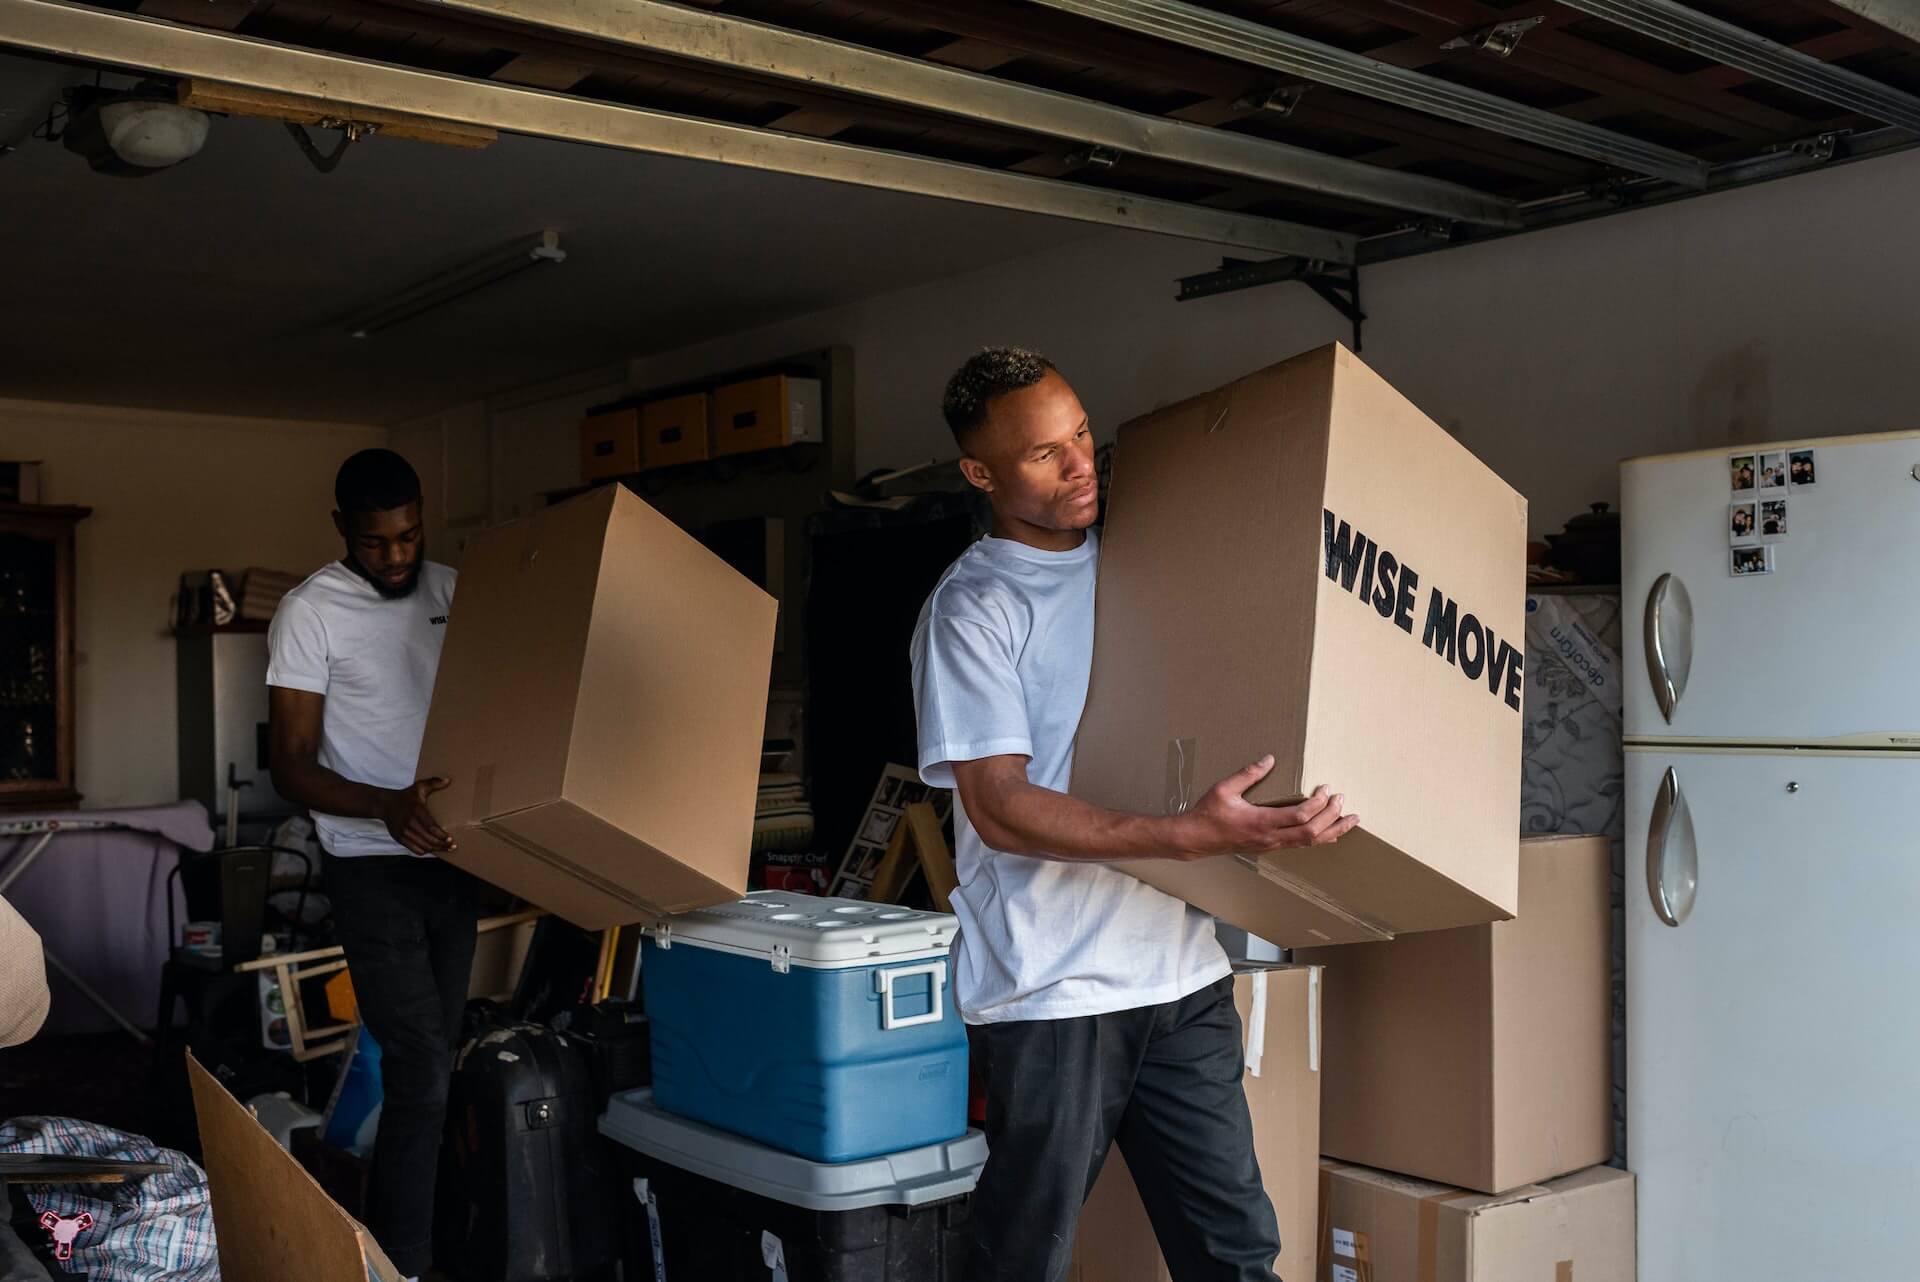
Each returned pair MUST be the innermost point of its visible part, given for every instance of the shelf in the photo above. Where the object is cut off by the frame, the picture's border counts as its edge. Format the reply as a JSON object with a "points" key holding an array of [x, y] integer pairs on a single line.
{"points": [[239, 627]]}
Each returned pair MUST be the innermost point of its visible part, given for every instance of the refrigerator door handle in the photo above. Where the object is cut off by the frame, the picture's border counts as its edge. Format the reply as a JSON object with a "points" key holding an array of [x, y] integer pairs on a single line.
{"points": [[1673, 862], [1669, 638]]}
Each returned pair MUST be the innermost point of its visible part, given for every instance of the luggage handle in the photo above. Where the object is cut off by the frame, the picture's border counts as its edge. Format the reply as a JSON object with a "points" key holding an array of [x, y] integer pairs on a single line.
{"points": [[884, 980]]}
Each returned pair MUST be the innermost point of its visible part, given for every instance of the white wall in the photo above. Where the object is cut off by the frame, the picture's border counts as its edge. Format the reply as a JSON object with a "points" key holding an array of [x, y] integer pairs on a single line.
{"points": [[1781, 310], [169, 492]]}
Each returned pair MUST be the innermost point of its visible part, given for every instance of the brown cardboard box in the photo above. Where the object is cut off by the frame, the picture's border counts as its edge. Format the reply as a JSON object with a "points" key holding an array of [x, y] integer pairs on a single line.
{"points": [[674, 430], [1116, 1243], [1479, 1057], [1378, 1227], [1302, 563], [271, 1219], [610, 443], [598, 713], [766, 414]]}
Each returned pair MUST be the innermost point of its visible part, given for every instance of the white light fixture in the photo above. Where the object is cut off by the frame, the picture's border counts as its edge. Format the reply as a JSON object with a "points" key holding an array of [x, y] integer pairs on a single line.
{"points": [[153, 135], [438, 291]]}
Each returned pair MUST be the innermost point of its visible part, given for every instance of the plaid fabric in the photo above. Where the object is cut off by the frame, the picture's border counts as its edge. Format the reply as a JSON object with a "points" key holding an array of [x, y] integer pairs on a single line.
{"points": [[146, 1230]]}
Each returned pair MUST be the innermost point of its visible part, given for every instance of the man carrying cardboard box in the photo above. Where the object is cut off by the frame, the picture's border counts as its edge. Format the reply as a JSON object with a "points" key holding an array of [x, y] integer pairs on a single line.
{"points": [[352, 657], [1103, 1008]]}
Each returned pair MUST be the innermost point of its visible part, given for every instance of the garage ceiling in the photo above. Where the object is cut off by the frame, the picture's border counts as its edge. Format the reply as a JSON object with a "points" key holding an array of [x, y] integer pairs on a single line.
{"points": [[1322, 134], [225, 283]]}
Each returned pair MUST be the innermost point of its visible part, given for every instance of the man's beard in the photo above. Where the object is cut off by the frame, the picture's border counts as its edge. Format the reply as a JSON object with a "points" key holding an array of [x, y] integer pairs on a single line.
{"points": [[391, 591]]}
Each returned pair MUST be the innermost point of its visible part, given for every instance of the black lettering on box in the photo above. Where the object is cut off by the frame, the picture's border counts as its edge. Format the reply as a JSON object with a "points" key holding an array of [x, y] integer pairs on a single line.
{"points": [[1441, 625], [1403, 608], [1472, 664], [1366, 571], [1344, 550], [1383, 593], [1498, 658], [1513, 680]]}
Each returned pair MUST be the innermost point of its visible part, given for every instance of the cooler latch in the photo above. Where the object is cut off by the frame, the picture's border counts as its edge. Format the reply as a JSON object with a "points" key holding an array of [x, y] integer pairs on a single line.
{"points": [[782, 959]]}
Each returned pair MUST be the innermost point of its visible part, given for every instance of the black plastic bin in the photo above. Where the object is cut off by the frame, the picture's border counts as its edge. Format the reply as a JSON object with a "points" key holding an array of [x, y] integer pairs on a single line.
{"points": [[701, 1205]]}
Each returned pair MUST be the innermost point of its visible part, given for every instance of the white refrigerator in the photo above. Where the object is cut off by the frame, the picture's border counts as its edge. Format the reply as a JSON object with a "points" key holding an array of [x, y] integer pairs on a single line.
{"points": [[1772, 731]]}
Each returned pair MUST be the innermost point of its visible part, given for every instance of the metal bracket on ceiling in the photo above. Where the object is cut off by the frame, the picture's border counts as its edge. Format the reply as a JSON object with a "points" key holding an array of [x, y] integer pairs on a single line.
{"points": [[1093, 157], [1272, 95], [1820, 148], [351, 131], [1338, 287], [1500, 39]]}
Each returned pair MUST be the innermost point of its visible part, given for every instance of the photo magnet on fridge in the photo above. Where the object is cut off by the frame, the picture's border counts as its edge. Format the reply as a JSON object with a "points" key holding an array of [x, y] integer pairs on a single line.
{"points": [[1801, 474], [1751, 560], [1773, 472], [1740, 474], [1773, 520], [1743, 522]]}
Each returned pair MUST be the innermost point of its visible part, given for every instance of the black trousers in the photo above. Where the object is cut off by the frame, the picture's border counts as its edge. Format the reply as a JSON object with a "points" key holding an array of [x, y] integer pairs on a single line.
{"points": [[407, 926], [1164, 1083]]}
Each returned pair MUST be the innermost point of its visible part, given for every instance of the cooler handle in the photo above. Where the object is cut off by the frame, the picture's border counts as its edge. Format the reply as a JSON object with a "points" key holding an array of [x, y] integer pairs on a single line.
{"points": [[884, 980]]}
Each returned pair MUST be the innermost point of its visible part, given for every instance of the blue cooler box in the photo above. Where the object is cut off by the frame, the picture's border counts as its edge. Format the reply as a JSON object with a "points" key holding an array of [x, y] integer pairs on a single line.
{"points": [[823, 1027]]}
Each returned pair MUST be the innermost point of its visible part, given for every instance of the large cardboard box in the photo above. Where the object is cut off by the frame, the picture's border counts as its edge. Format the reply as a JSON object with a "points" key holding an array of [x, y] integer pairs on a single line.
{"points": [[1302, 563], [1479, 1057], [272, 1221], [1378, 1227], [1280, 1010], [599, 711]]}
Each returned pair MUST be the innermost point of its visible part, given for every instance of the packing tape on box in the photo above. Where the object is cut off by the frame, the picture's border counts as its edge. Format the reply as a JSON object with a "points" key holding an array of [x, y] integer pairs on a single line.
{"points": [[1180, 759], [1312, 894], [481, 803], [1429, 1258], [1324, 1232], [1256, 1047], [1219, 404], [575, 871]]}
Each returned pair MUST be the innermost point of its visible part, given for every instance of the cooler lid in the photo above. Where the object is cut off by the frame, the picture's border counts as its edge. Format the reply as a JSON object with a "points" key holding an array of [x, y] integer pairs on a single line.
{"points": [[913, 1177], [824, 934]]}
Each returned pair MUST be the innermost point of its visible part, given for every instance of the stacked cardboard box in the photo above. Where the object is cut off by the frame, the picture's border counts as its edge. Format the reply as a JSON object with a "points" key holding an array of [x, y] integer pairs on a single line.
{"points": [[1469, 1071], [1280, 1010], [1303, 564], [1379, 1227]]}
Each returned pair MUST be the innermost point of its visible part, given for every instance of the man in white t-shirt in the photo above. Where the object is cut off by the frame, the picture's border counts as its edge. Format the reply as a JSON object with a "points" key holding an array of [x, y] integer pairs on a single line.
{"points": [[352, 656], [1103, 1009]]}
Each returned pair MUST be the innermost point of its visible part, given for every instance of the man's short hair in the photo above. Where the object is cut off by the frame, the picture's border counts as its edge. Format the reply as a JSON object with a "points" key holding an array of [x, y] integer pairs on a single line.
{"points": [[375, 481], [990, 372]]}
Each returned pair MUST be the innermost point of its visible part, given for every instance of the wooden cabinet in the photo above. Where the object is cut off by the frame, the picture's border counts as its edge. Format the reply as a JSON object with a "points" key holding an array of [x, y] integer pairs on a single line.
{"points": [[37, 655]]}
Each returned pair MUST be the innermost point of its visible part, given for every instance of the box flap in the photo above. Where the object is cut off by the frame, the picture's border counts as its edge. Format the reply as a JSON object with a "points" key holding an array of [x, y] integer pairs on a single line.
{"points": [[271, 1218], [666, 744], [504, 699], [1577, 1229]]}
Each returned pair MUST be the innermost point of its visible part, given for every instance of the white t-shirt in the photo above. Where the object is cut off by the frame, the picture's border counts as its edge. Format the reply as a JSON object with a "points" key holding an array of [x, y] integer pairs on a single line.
{"points": [[1001, 658], [374, 658]]}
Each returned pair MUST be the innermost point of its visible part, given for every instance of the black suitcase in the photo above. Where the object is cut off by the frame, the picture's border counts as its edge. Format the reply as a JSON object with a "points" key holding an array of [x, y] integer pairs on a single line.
{"points": [[524, 1195]]}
